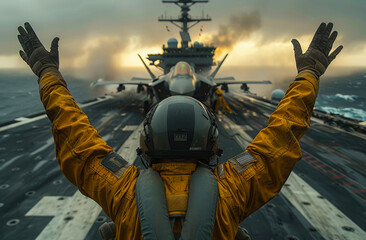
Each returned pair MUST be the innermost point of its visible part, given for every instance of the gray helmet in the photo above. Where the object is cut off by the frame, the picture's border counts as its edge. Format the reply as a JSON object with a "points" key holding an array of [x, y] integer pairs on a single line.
{"points": [[179, 127]]}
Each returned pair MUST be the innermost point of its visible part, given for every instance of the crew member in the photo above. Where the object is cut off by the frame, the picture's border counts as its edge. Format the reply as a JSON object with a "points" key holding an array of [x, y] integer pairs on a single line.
{"points": [[221, 102], [178, 151]]}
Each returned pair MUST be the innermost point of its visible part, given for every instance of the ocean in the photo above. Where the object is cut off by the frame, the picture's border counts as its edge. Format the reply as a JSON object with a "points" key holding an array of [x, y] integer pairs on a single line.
{"points": [[342, 92], [19, 95], [345, 96]]}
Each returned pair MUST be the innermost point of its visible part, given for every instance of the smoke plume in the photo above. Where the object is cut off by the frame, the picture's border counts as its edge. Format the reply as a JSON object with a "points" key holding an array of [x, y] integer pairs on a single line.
{"points": [[99, 58], [239, 27]]}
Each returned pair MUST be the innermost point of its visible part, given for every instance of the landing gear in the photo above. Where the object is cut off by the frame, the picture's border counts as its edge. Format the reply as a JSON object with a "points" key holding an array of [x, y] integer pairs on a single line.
{"points": [[146, 106], [225, 87], [140, 88], [120, 88], [244, 87]]}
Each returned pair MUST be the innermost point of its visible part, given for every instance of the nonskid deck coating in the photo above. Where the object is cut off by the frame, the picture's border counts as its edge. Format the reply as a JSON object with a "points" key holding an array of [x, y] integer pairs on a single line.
{"points": [[333, 166]]}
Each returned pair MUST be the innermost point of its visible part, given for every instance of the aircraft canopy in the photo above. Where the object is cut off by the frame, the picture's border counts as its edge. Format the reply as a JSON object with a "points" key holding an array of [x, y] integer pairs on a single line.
{"points": [[182, 68]]}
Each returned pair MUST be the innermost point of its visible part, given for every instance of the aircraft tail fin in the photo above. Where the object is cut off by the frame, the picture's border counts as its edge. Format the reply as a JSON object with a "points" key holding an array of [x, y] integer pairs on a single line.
{"points": [[147, 68], [213, 74]]}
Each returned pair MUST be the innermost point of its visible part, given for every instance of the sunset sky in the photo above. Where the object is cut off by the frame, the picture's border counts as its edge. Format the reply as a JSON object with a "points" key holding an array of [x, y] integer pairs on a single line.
{"points": [[111, 33]]}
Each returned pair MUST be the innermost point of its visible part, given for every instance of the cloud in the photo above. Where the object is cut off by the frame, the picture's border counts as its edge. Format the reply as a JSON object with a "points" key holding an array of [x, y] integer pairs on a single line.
{"points": [[78, 23]]}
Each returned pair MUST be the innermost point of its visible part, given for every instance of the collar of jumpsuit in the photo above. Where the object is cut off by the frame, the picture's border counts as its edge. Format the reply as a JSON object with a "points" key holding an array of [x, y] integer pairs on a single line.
{"points": [[175, 168], [176, 178]]}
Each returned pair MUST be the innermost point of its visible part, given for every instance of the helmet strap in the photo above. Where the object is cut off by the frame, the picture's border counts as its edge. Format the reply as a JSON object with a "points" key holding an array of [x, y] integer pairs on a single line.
{"points": [[143, 162]]}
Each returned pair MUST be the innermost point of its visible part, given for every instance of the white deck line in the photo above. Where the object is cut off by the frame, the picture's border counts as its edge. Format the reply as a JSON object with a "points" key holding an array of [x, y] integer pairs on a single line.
{"points": [[80, 210], [128, 149], [321, 214], [9, 162], [73, 216], [25, 120], [98, 100], [313, 119]]}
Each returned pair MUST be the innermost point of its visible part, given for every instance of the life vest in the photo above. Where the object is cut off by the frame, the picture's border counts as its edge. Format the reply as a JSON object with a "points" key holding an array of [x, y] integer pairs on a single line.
{"points": [[199, 220]]}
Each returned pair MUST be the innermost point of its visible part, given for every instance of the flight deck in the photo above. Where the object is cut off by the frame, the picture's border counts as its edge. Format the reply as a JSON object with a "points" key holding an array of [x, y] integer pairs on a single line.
{"points": [[324, 198]]}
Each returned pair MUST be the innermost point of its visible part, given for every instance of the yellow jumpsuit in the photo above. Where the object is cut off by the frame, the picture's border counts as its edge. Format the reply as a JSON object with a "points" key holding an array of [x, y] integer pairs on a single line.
{"points": [[243, 188], [221, 101]]}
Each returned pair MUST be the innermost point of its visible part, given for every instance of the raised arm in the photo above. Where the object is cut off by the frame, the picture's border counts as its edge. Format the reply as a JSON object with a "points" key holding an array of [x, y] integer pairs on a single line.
{"points": [[84, 157], [259, 173]]}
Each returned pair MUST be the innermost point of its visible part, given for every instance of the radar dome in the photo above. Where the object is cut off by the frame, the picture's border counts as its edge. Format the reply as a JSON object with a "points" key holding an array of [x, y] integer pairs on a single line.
{"points": [[172, 43], [196, 44], [277, 95]]}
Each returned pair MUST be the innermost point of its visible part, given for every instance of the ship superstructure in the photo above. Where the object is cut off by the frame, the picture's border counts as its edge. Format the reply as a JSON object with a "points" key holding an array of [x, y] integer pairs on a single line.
{"points": [[198, 55]]}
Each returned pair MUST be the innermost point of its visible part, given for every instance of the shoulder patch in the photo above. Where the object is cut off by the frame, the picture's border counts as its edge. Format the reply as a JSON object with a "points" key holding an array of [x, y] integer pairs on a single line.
{"points": [[221, 171], [243, 161], [244, 158], [115, 164]]}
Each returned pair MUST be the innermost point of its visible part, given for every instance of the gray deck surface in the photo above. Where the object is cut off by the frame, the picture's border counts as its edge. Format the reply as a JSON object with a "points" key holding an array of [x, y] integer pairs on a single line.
{"points": [[333, 167]]}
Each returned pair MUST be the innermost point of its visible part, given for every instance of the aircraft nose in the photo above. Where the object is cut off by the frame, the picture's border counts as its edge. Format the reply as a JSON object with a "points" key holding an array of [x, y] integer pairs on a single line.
{"points": [[182, 86]]}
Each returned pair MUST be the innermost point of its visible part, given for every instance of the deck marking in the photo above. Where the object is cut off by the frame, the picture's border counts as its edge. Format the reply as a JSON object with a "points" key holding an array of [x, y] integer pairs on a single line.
{"points": [[22, 121], [239, 135], [129, 128], [79, 211], [320, 166], [341, 179], [25, 120], [244, 127], [117, 127], [321, 214], [98, 100], [313, 119], [247, 128], [330, 171], [7, 163], [266, 114], [241, 96], [257, 126], [73, 216], [307, 157], [48, 143], [348, 183], [128, 149], [105, 120], [359, 190], [39, 165], [338, 177]]}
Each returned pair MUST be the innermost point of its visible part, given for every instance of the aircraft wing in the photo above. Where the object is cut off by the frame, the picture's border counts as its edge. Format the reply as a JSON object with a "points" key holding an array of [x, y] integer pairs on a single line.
{"points": [[224, 79], [231, 80], [221, 82], [140, 79], [145, 82]]}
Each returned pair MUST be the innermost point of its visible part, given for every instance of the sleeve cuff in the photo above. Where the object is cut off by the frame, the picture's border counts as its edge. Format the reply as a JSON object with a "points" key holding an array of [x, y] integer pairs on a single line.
{"points": [[309, 71], [50, 77], [310, 77]]}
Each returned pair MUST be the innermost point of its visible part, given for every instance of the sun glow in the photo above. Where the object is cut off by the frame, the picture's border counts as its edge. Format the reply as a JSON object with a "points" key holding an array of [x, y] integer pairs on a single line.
{"points": [[12, 61], [280, 53], [130, 58], [109, 50], [254, 52]]}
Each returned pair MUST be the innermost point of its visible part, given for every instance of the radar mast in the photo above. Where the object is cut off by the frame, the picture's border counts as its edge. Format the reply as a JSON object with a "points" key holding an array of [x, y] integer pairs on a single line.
{"points": [[198, 55], [184, 18]]}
